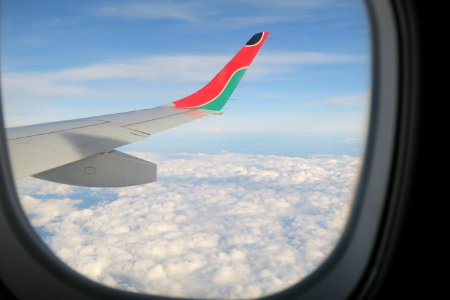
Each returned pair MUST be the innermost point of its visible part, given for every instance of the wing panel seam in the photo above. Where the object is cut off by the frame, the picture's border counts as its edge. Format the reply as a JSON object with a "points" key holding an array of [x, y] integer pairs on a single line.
{"points": [[56, 131]]}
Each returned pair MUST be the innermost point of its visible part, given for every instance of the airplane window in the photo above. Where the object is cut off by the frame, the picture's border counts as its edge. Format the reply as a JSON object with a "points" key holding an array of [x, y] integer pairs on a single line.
{"points": [[138, 182]]}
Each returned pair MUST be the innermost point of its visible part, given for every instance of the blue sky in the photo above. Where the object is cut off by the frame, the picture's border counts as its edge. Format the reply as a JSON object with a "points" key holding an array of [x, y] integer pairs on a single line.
{"points": [[306, 92]]}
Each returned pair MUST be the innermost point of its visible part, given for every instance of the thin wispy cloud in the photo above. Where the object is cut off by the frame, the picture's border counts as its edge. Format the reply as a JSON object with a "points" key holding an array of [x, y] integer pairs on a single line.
{"points": [[159, 68], [238, 22], [305, 4], [296, 58], [211, 13], [350, 100], [58, 22], [186, 11], [300, 122]]}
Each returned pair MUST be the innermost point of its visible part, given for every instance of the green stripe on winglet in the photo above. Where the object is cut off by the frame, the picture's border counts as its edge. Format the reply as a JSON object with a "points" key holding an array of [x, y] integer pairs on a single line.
{"points": [[222, 99]]}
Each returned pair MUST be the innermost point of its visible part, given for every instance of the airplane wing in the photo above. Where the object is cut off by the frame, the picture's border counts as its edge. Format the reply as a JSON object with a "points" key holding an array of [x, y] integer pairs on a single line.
{"points": [[82, 151]]}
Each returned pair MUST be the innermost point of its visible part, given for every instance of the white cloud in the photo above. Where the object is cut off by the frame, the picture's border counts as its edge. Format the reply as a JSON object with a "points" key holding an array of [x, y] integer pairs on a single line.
{"points": [[350, 140], [158, 68], [40, 84], [48, 210], [308, 122], [296, 58], [207, 13], [215, 226], [350, 100], [155, 10], [212, 130], [30, 185]]}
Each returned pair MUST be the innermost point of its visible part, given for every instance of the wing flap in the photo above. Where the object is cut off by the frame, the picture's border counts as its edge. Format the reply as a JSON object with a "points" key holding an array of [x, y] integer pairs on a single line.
{"points": [[113, 169]]}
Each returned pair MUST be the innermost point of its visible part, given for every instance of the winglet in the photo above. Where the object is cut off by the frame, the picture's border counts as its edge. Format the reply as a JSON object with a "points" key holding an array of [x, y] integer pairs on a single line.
{"points": [[216, 93]]}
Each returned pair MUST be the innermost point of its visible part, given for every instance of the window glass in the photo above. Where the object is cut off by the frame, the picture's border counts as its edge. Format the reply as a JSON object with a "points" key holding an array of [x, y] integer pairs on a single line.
{"points": [[246, 203]]}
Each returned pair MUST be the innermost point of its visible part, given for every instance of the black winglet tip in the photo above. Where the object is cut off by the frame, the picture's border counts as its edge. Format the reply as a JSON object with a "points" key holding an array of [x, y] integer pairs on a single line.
{"points": [[255, 39]]}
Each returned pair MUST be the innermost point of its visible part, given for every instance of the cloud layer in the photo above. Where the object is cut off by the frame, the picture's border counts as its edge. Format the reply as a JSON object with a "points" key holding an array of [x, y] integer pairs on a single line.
{"points": [[216, 226]]}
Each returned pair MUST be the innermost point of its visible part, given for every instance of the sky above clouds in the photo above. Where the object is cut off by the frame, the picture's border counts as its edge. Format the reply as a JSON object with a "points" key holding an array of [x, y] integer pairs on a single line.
{"points": [[246, 203], [64, 60], [214, 225]]}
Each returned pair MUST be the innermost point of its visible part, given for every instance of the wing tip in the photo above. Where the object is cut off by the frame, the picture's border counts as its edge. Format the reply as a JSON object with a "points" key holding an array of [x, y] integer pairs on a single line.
{"points": [[216, 93], [257, 38]]}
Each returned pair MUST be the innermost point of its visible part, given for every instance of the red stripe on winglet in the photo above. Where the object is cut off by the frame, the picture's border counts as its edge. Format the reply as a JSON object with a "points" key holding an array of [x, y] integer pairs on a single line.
{"points": [[242, 59]]}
